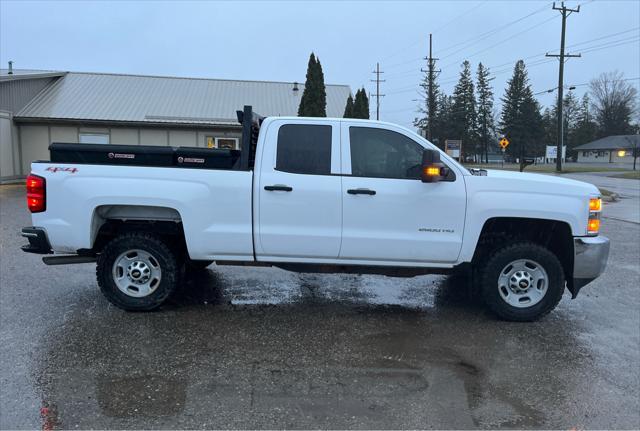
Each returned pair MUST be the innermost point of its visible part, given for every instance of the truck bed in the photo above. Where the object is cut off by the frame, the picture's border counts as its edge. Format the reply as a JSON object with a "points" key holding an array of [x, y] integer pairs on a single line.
{"points": [[145, 155]]}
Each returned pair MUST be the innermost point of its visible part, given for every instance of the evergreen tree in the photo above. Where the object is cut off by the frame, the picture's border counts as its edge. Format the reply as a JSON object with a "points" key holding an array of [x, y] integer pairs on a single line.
{"points": [[550, 126], [361, 104], [314, 97], [348, 110], [424, 122], [520, 120], [464, 109], [443, 121], [485, 109], [586, 129], [570, 112]]}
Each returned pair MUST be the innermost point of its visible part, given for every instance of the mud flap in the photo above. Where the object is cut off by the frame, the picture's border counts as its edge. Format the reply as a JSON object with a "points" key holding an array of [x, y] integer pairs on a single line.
{"points": [[575, 284]]}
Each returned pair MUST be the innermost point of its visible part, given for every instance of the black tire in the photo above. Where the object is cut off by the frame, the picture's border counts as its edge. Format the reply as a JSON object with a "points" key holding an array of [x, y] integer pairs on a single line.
{"points": [[197, 265], [503, 256], [166, 260]]}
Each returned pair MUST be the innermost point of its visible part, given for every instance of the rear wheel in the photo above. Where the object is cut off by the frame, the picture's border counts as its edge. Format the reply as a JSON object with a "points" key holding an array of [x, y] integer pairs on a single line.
{"points": [[522, 281], [137, 271]]}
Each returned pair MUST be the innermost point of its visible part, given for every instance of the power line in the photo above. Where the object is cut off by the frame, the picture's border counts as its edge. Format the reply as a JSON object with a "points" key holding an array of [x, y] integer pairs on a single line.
{"points": [[435, 31], [492, 32], [431, 77], [565, 12], [572, 86], [377, 72], [507, 39], [612, 44], [568, 46], [475, 39]]}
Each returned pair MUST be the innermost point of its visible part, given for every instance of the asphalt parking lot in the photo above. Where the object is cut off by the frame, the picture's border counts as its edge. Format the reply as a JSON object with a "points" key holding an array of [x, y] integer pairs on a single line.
{"points": [[264, 348]]}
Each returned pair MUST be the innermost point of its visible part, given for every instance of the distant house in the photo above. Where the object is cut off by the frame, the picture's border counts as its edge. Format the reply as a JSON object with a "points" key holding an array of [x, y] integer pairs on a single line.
{"points": [[39, 107], [611, 149]]}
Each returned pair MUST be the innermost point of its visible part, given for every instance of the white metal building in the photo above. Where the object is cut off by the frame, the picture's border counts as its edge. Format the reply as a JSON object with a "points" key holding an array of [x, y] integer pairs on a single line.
{"points": [[40, 107], [611, 149]]}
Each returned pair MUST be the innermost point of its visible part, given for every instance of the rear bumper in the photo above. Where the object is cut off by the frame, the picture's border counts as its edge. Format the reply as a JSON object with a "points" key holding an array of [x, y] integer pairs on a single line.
{"points": [[38, 241], [590, 259]]}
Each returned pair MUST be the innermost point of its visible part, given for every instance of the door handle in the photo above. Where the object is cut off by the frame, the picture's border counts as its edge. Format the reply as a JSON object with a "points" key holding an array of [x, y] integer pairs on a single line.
{"points": [[361, 192], [278, 188]]}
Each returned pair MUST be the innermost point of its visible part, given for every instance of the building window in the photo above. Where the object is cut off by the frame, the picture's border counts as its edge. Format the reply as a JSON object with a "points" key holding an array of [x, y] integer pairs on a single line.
{"points": [[585, 154], [304, 149], [94, 138], [228, 143]]}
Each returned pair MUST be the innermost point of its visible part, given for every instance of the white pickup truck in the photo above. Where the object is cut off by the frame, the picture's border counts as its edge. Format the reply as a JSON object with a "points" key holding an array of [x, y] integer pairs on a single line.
{"points": [[313, 195]]}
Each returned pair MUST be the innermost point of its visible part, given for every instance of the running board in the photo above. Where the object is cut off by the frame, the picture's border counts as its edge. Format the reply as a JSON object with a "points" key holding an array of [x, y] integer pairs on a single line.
{"points": [[68, 260]]}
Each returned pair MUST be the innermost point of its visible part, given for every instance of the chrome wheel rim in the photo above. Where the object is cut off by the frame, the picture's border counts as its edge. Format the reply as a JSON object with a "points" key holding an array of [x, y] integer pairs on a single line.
{"points": [[523, 283], [137, 273]]}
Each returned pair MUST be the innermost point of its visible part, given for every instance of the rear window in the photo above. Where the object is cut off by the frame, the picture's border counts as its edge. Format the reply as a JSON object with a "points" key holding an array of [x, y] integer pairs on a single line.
{"points": [[304, 149]]}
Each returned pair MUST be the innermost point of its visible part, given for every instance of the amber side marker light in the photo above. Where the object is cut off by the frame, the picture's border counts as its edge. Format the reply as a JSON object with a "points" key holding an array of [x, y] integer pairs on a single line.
{"points": [[432, 171], [593, 225], [595, 204]]}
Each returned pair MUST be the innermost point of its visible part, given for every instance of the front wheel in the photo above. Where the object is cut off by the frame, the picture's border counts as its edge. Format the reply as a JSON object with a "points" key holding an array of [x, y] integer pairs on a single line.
{"points": [[522, 282], [137, 271]]}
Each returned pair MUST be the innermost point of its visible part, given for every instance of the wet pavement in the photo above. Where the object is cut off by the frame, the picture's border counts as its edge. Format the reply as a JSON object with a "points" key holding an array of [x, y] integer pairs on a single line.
{"points": [[265, 348]]}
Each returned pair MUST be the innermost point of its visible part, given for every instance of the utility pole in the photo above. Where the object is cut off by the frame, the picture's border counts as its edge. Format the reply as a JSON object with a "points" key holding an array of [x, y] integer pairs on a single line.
{"points": [[431, 77], [378, 95], [565, 13]]}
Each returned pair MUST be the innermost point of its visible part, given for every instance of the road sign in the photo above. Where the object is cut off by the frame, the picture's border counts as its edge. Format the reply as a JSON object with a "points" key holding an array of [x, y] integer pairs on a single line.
{"points": [[453, 148], [504, 143]]}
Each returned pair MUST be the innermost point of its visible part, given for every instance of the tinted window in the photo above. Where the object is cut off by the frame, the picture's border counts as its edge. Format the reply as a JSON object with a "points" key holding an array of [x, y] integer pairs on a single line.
{"points": [[304, 149], [384, 154]]}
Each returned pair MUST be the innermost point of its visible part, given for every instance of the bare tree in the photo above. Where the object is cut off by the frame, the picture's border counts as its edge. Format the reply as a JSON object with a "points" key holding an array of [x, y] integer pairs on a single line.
{"points": [[614, 103]]}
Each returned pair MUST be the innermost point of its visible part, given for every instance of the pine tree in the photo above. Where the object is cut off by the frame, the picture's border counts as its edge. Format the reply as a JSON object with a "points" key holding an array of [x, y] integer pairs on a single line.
{"points": [[443, 121], [464, 109], [586, 129], [314, 97], [361, 104], [550, 126], [424, 122], [348, 109], [520, 120], [570, 112], [485, 109]]}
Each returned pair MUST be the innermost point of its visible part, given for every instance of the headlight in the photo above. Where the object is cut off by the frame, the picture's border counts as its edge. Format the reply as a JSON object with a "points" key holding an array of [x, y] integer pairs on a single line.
{"points": [[595, 209]]}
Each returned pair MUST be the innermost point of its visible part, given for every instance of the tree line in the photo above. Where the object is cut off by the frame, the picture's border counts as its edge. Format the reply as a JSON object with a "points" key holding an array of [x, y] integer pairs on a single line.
{"points": [[314, 96], [468, 114]]}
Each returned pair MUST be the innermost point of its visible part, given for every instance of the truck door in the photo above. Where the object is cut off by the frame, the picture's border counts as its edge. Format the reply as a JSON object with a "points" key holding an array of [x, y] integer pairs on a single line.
{"points": [[299, 212], [389, 214]]}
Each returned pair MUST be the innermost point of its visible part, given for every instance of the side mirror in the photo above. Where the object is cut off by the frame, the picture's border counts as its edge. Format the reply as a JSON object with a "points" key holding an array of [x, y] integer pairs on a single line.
{"points": [[432, 169]]}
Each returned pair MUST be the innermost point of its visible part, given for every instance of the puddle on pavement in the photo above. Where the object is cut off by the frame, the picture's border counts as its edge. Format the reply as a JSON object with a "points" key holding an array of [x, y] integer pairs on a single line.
{"points": [[260, 286], [256, 348], [150, 396]]}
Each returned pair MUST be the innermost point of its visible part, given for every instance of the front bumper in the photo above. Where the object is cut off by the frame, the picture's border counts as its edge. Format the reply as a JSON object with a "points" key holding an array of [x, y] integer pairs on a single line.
{"points": [[589, 261], [38, 241]]}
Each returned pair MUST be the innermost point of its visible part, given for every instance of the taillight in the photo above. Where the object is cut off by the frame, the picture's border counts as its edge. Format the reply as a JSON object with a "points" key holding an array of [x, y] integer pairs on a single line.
{"points": [[36, 194]]}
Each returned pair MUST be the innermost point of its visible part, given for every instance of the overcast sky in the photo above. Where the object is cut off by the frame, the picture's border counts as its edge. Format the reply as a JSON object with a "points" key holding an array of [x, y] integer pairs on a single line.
{"points": [[272, 41]]}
